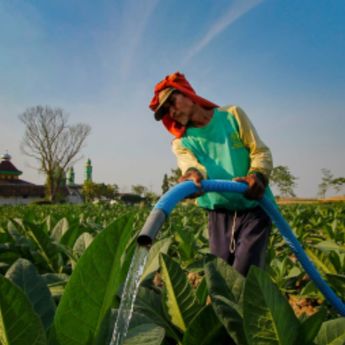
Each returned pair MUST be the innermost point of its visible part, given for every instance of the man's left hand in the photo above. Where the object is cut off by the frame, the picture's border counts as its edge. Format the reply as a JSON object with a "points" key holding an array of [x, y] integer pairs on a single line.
{"points": [[256, 185]]}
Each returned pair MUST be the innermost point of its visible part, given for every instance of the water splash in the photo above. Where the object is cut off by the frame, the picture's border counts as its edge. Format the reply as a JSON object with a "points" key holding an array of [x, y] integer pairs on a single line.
{"points": [[129, 294]]}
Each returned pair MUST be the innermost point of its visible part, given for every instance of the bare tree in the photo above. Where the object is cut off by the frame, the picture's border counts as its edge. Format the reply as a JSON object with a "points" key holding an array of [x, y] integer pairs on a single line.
{"points": [[52, 142]]}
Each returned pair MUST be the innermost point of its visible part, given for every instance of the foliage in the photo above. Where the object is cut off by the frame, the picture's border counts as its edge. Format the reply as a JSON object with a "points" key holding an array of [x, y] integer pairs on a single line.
{"points": [[92, 191], [139, 189], [170, 180], [284, 180], [329, 181], [145, 193], [64, 266]]}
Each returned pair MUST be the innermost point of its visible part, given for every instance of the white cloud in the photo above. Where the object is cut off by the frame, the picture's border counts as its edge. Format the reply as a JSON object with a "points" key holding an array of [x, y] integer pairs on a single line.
{"points": [[134, 20], [235, 11]]}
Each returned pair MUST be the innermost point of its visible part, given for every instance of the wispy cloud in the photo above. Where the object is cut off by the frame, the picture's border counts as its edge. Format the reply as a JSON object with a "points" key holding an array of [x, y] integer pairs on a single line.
{"points": [[135, 17], [235, 11]]}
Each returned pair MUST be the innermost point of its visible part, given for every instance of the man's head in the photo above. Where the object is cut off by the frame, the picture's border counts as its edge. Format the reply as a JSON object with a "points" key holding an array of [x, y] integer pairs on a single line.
{"points": [[173, 100], [176, 105]]}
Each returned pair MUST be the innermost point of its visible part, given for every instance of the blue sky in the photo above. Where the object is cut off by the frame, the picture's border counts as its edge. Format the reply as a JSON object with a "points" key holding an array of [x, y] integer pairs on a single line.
{"points": [[283, 62]]}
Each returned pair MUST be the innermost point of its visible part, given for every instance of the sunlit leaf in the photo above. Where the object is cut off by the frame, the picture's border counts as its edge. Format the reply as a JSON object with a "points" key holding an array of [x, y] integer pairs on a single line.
{"points": [[92, 287], [180, 301], [268, 317], [332, 332]]}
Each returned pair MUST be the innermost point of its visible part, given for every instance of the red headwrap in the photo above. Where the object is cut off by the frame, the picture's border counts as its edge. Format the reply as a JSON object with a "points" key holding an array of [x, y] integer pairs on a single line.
{"points": [[178, 82]]}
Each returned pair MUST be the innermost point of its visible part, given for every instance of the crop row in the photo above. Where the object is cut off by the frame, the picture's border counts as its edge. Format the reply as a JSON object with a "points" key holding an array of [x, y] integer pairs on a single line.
{"points": [[63, 268]]}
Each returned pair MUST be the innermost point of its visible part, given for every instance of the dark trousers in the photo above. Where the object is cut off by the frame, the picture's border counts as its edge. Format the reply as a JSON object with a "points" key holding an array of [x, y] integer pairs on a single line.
{"points": [[239, 237]]}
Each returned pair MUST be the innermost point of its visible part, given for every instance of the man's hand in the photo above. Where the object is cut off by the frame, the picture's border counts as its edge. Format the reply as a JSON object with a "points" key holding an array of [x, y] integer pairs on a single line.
{"points": [[194, 175], [256, 185]]}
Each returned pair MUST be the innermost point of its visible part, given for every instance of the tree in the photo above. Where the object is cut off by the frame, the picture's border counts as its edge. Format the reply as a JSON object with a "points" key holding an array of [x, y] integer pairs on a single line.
{"points": [[171, 180], [93, 191], [52, 142], [144, 193], [165, 184], [139, 189], [282, 178], [338, 183], [329, 181], [326, 182]]}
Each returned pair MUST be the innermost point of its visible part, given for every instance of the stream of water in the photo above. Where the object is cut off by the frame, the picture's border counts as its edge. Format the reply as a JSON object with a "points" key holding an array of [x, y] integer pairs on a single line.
{"points": [[129, 294]]}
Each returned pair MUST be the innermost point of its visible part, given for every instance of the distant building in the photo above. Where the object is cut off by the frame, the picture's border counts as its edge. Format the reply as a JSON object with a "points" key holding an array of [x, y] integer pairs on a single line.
{"points": [[74, 190], [14, 191], [88, 171]]}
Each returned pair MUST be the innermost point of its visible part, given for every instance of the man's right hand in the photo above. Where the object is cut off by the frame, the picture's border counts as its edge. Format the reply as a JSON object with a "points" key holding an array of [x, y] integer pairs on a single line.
{"points": [[194, 175]]}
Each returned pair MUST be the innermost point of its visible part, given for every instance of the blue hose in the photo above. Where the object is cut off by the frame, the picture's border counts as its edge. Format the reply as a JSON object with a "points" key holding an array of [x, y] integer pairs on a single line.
{"points": [[169, 200]]}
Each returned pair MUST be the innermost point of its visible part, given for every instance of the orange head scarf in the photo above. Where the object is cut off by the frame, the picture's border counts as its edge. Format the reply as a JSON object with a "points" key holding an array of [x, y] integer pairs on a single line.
{"points": [[179, 82]]}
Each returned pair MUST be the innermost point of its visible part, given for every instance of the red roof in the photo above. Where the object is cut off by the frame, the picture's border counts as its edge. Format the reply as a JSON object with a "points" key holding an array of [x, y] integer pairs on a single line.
{"points": [[7, 167]]}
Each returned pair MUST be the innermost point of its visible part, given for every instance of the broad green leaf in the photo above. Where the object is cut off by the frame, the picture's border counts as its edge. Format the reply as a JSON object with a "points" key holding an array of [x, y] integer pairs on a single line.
{"points": [[40, 240], [332, 332], [268, 317], [321, 260], [205, 329], [226, 288], [149, 303], [222, 279], [330, 245], [186, 243], [80, 245], [19, 324], [60, 229], [337, 282], [25, 275], [21, 241], [180, 302], [202, 292], [152, 263], [144, 332], [230, 314], [71, 235], [91, 290]]}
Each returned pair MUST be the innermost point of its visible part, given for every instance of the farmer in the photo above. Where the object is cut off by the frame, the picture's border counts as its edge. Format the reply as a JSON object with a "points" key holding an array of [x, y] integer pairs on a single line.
{"points": [[213, 142]]}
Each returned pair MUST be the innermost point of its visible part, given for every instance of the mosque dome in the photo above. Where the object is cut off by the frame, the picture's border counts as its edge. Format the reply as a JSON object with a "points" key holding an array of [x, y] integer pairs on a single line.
{"points": [[6, 157]]}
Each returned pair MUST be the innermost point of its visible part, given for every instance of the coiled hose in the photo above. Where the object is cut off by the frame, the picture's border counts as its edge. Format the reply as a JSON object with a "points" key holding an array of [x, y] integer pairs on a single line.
{"points": [[169, 200]]}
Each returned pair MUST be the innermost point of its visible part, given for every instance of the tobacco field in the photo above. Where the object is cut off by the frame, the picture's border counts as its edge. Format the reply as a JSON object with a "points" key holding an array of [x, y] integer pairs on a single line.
{"points": [[63, 268]]}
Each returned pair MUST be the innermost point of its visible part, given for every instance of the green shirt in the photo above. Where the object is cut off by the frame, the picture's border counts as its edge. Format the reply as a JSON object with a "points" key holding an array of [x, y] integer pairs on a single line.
{"points": [[220, 150]]}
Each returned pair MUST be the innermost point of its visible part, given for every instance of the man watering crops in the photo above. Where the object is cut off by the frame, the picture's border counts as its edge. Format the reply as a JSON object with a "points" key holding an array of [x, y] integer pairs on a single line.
{"points": [[213, 142]]}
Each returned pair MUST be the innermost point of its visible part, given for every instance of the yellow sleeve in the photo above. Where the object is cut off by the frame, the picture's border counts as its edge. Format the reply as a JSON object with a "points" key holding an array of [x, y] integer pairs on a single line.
{"points": [[260, 154], [186, 159]]}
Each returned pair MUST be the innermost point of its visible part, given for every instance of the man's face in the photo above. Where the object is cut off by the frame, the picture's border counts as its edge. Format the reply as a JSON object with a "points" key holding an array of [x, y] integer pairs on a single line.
{"points": [[180, 108]]}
